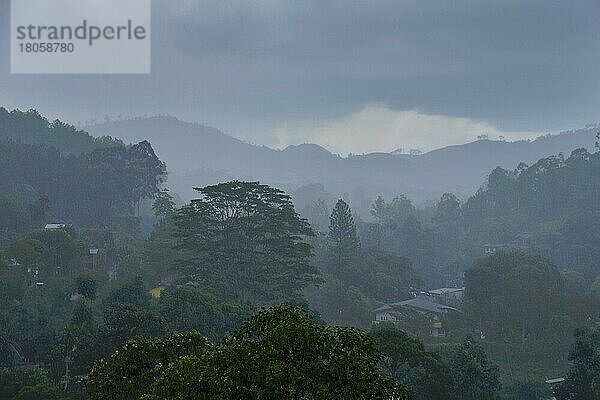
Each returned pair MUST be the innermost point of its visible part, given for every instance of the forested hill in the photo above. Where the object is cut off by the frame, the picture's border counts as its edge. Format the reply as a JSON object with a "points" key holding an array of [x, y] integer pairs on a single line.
{"points": [[198, 155], [551, 207], [32, 128], [52, 172]]}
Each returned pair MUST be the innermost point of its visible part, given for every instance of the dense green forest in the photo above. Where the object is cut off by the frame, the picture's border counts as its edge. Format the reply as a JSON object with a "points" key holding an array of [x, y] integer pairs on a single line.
{"points": [[549, 209], [238, 295]]}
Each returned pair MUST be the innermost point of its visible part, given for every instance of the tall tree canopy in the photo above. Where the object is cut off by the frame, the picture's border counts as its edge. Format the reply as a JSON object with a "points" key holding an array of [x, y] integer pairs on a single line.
{"points": [[343, 241], [246, 243], [512, 289]]}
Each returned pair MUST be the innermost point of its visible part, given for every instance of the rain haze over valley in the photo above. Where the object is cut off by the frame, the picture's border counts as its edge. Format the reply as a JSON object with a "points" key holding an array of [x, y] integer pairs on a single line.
{"points": [[273, 199]]}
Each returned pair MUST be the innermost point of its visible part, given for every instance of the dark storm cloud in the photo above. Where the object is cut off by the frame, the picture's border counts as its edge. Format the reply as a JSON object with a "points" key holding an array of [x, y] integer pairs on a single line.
{"points": [[519, 65], [498, 60]]}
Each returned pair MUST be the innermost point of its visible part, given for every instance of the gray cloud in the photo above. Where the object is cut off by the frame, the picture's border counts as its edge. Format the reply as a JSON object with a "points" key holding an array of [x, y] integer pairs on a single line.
{"points": [[251, 67]]}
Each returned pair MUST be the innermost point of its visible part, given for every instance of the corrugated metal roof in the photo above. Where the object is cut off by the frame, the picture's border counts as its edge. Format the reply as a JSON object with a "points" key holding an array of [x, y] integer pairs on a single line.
{"points": [[419, 304]]}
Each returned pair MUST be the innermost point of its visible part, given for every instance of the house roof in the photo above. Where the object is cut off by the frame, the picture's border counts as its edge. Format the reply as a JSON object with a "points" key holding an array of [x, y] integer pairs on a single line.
{"points": [[494, 245], [446, 290], [13, 262], [157, 291], [383, 308], [524, 235], [55, 226], [419, 304]]}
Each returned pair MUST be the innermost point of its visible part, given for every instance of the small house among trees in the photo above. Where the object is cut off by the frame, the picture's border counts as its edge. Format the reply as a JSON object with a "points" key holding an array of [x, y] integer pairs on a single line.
{"points": [[420, 316]]}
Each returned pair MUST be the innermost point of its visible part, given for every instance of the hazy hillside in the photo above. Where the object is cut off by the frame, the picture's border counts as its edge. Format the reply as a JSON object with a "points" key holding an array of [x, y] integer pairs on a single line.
{"points": [[198, 155], [33, 128]]}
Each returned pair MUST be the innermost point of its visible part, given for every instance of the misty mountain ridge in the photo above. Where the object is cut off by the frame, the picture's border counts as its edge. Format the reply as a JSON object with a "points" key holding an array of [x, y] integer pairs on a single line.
{"points": [[198, 155]]}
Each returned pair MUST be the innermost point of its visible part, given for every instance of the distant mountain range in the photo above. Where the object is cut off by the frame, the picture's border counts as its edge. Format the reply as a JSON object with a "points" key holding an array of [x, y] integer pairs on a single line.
{"points": [[198, 155]]}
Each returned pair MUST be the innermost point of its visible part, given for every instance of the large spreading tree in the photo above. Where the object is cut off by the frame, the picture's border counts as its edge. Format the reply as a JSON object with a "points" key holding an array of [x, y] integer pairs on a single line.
{"points": [[245, 243]]}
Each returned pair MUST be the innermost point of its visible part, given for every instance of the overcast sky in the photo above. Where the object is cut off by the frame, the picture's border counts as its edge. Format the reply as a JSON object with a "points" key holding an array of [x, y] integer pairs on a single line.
{"points": [[354, 76]]}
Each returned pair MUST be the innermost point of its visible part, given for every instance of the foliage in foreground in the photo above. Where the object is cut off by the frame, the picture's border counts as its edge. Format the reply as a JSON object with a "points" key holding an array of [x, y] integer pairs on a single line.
{"points": [[278, 353], [583, 380], [406, 359], [28, 384]]}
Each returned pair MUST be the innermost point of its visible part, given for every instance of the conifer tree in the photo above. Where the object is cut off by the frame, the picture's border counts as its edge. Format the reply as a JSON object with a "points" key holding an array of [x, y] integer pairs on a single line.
{"points": [[343, 241]]}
